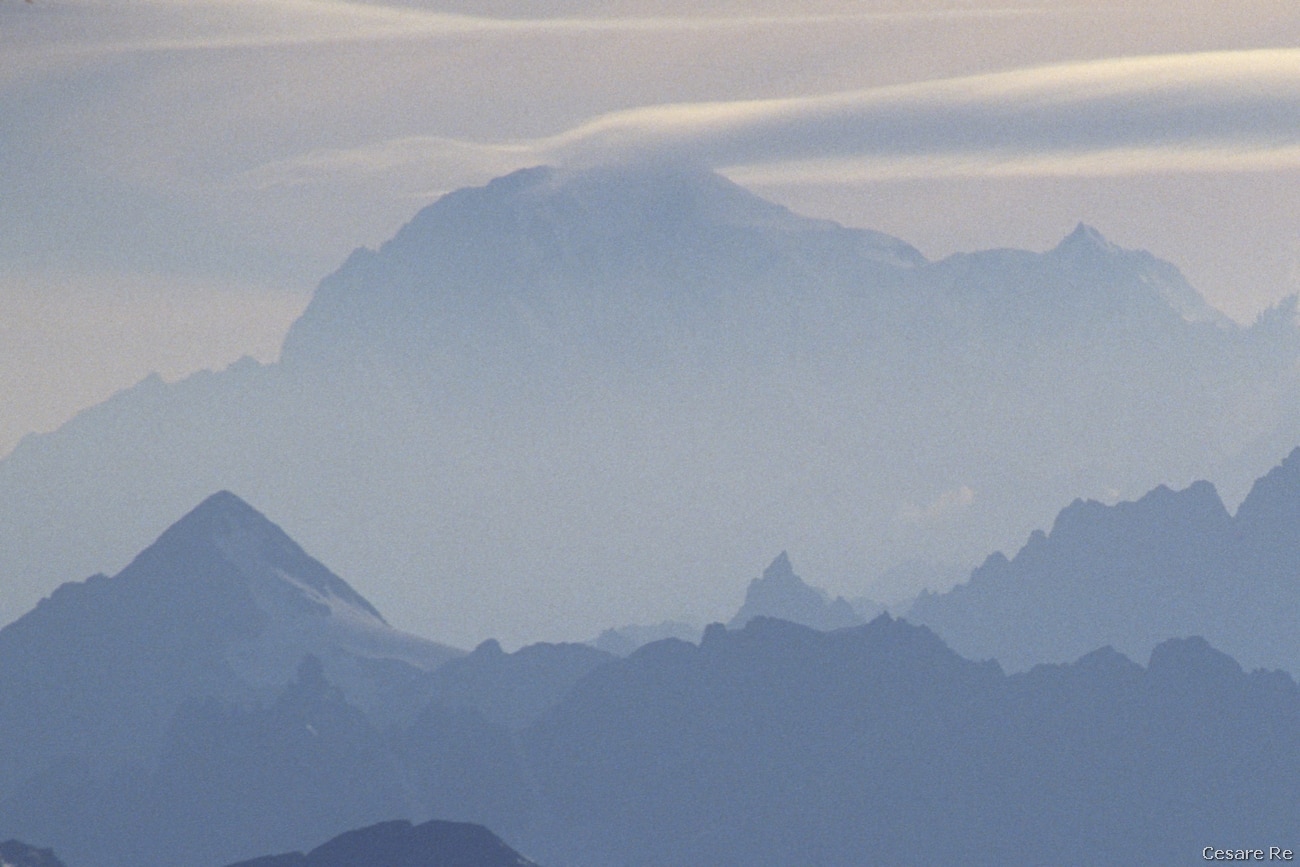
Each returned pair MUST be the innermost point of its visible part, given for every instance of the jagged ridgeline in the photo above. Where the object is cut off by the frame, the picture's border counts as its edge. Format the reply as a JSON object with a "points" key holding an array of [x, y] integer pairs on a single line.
{"points": [[1172, 563], [619, 387], [158, 717]]}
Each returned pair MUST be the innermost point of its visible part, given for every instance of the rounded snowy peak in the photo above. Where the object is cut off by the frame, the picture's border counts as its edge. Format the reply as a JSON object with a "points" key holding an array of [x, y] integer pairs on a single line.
{"points": [[574, 256], [626, 201]]}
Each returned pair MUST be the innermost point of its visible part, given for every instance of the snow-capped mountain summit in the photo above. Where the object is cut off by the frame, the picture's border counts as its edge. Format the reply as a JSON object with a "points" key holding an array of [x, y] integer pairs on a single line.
{"points": [[589, 260], [613, 386], [224, 604], [225, 536], [1087, 252]]}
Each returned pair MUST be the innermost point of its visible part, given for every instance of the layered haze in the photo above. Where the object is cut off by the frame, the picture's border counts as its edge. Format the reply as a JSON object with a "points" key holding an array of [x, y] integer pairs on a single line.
{"points": [[591, 320], [570, 400], [240, 150]]}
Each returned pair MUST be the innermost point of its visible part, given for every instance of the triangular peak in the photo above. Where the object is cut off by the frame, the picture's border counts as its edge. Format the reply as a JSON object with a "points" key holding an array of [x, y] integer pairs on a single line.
{"points": [[1274, 498], [782, 594], [221, 510], [780, 570], [225, 528], [1085, 237]]}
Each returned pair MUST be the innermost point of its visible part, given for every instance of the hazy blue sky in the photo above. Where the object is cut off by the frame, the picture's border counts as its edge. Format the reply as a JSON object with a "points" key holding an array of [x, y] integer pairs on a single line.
{"points": [[179, 174]]}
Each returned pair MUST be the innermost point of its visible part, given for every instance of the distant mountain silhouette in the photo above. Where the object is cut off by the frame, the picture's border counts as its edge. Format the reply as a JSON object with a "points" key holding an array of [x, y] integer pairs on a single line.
{"points": [[895, 588], [663, 361], [513, 689], [231, 781], [777, 744], [622, 640], [1173, 563], [222, 606], [782, 594], [399, 844], [16, 854], [484, 268], [771, 744]]}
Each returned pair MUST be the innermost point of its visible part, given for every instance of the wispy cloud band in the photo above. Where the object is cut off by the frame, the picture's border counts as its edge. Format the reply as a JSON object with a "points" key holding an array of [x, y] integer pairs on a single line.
{"points": [[199, 25], [1216, 111], [1248, 100]]}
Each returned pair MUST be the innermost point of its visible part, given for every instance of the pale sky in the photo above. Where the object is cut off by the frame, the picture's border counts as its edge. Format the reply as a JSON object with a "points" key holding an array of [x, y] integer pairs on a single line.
{"points": [[179, 174]]}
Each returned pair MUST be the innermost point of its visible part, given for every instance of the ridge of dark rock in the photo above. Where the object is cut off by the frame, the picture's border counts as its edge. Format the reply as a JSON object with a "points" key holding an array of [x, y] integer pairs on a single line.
{"points": [[400, 844], [782, 594], [14, 853]]}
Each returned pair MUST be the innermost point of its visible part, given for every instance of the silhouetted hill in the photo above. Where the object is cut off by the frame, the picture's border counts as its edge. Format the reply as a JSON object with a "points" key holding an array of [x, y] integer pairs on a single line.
{"points": [[660, 360], [1173, 563], [399, 844], [773, 744], [777, 744], [16, 854], [234, 781], [622, 640], [460, 766], [231, 781], [782, 594], [513, 689]]}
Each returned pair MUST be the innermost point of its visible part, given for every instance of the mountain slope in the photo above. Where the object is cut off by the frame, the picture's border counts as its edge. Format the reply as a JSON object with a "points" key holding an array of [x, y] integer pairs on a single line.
{"points": [[597, 261], [16, 854], [617, 384], [513, 689], [230, 782], [399, 844], [781, 594], [777, 744], [223, 604], [1171, 564]]}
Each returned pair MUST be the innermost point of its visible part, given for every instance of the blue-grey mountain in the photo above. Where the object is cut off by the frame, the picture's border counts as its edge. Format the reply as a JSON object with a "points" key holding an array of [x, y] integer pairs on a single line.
{"points": [[1171, 564], [770, 744], [399, 844], [781, 594], [222, 607], [15, 853], [626, 387], [777, 744], [513, 689]]}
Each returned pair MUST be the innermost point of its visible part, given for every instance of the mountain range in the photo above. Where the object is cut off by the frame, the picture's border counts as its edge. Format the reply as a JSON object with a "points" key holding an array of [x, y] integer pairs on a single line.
{"points": [[1132, 574], [769, 743], [782, 594], [616, 387], [778, 744], [222, 606]]}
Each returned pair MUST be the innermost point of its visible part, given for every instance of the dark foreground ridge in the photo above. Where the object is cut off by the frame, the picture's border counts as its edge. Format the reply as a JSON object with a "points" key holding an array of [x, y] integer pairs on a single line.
{"points": [[401, 844], [777, 744], [16, 854], [769, 745]]}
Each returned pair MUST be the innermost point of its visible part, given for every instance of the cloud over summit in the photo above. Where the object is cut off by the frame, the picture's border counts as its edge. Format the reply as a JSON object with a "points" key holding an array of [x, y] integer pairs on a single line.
{"points": [[1229, 110]]}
